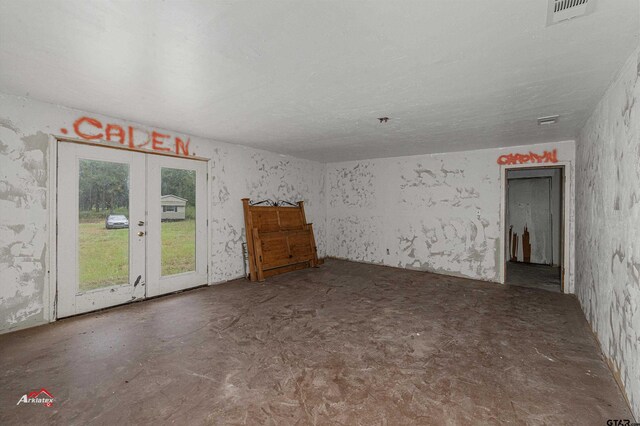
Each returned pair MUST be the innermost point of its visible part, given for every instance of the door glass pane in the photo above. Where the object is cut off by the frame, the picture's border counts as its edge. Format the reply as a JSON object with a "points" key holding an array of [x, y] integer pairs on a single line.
{"points": [[103, 227], [178, 214]]}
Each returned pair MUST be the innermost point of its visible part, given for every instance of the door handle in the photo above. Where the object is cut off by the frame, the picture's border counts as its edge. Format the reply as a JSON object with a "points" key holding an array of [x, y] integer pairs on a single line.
{"points": [[140, 233]]}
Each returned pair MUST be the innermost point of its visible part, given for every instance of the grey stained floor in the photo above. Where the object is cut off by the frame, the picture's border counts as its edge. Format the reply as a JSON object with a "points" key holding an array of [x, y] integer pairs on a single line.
{"points": [[543, 277], [347, 343]]}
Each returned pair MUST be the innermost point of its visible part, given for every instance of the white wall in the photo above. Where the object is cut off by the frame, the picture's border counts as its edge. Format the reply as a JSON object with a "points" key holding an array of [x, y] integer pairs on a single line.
{"points": [[556, 206], [437, 212], [608, 226], [235, 172]]}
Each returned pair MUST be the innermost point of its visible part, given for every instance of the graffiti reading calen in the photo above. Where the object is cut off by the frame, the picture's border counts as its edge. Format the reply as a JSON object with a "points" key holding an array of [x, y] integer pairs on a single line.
{"points": [[531, 157], [89, 128]]}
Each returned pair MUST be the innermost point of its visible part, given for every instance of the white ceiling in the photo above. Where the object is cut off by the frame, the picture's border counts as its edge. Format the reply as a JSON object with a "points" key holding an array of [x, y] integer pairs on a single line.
{"points": [[309, 78]]}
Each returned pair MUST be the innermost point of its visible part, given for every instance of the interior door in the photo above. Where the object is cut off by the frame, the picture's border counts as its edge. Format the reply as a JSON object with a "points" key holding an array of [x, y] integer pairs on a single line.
{"points": [[529, 209], [101, 247], [176, 224]]}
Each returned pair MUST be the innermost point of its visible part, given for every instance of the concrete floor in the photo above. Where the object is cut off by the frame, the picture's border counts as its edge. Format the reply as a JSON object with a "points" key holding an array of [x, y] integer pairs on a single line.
{"points": [[544, 277], [347, 344]]}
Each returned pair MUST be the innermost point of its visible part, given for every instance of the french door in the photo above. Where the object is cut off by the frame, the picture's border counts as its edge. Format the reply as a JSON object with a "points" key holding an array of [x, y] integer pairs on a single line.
{"points": [[130, 226]]}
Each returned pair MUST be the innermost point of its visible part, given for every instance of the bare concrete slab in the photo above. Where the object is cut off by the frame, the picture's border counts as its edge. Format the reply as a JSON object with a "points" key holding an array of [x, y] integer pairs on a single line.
{"points": [[544, 277], [347, 344]]}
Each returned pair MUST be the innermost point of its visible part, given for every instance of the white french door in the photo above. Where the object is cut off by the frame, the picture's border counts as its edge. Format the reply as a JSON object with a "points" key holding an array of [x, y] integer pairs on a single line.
{"points": [[176, 248], [130, 226], [99, 267]]}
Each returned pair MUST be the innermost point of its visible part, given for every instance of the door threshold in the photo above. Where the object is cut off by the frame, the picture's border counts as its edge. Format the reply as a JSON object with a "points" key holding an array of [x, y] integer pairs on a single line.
{"points": [[132, 301]]}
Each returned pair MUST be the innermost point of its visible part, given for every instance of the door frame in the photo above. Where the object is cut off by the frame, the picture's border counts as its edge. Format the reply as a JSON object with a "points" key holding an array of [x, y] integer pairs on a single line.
{"points": [[50, 293], [566, 245]]}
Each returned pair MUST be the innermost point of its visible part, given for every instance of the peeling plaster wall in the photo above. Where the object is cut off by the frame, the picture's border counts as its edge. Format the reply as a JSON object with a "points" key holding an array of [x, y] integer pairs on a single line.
{"points": [[608, 226], [235, 172], [23, 224], [437, 212]]}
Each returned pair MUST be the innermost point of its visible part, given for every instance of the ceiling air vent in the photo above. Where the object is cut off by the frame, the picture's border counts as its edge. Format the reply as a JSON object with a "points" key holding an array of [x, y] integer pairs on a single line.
{"points": [[562, 10]]}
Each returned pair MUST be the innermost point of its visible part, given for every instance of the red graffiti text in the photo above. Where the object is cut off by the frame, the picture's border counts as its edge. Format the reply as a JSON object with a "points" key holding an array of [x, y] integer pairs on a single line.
{"points": [[89, 128], [546, 157]]}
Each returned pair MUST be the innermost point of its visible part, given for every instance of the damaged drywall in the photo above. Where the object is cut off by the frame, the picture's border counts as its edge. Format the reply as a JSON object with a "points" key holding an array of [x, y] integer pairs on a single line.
{"points": [[235, 172], [259, 175], [607, 226], [439, 213], [23, 225]]}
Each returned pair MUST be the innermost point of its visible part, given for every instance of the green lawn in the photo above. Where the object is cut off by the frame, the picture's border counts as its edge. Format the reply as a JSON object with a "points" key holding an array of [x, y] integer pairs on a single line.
{"points": [[104, 253], [178, 247]]}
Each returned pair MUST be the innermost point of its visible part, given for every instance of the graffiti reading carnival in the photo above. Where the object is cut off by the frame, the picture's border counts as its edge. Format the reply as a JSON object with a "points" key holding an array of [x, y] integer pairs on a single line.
{"points": [[89, 128], [531, 157]]}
